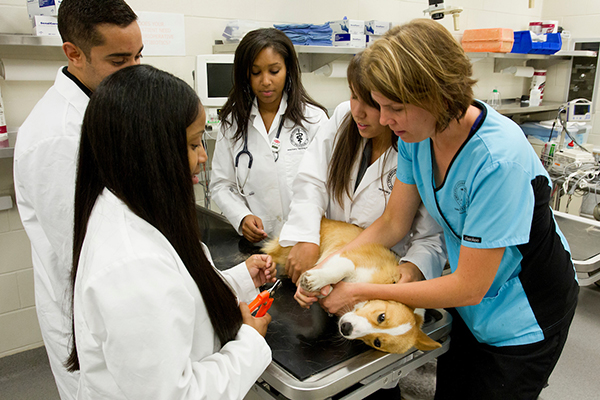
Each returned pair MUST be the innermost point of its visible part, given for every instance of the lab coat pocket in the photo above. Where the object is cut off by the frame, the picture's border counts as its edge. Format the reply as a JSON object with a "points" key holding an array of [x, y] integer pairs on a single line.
{"points": [[292, 162]]}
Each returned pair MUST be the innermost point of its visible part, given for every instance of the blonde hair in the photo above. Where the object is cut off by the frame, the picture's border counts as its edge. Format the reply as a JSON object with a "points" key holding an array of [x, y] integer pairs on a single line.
{"points": [[420, 63]]}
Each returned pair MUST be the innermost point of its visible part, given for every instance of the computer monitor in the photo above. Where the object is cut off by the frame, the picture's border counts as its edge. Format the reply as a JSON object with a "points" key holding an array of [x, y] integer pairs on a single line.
{"points": [[214, 78]]}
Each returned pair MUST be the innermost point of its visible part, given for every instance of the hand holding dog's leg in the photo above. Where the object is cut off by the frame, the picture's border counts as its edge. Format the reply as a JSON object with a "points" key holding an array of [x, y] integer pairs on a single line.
{"points": [[258, 323], [304, 298], [340, 299], [302, 257]]}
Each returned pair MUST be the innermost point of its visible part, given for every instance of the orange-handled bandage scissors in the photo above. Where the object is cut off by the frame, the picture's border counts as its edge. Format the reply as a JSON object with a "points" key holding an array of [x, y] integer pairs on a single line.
{"points": [[263, 301]]}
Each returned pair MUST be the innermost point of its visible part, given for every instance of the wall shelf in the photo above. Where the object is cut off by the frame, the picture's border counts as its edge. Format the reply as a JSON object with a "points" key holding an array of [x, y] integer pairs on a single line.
{"points": [[515, 108], [8, 152], [562, 54], [311, 58], [506, 60], [31, 47]]}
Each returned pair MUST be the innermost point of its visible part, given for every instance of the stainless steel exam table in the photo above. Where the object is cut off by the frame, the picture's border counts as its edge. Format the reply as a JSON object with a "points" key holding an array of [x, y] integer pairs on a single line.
{"points": [[583, 235], [311, 360]]}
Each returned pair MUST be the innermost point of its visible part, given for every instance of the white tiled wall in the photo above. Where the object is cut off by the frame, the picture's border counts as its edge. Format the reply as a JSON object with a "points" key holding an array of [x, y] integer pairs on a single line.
{"points": [[19, 328], [205, 21]]}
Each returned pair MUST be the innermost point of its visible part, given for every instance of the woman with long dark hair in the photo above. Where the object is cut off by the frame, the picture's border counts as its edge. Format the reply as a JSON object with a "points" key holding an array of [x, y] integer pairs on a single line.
{"points": [[267, 123], [348, 175], [152, 317]]}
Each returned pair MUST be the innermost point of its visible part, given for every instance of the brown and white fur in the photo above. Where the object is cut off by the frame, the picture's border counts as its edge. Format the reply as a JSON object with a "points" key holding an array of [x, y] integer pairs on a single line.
{"points": [[385, 325]]}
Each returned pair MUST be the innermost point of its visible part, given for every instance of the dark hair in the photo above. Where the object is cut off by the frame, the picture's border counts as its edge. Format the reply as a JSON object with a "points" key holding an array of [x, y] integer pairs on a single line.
{"points": [[134, 143], [77, 20], [239, 104], [348, 144]]}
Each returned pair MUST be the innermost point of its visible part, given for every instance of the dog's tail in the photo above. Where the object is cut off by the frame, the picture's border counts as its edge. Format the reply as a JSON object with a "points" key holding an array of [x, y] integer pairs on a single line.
{"points": [[274, 249]]}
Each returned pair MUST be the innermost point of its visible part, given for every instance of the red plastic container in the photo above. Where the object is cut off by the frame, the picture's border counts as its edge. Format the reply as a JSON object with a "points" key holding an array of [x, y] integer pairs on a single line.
{"points": [[494, 40]]}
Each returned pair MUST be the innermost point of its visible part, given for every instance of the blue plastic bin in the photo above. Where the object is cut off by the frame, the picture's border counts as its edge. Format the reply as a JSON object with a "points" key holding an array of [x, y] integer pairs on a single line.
{"points": [[524, 44]]}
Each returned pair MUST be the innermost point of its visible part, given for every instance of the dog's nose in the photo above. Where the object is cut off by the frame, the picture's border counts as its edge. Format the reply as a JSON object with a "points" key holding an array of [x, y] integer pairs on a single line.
{"points": [[346, 328]]}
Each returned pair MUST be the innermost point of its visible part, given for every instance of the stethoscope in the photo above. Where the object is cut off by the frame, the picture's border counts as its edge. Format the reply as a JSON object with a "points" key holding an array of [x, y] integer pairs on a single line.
{"points": [[275, 146]]}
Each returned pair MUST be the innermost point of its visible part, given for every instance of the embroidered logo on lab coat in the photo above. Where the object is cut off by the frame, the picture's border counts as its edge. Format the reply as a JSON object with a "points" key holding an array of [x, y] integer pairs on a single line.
{"points": [[460, 196], [387, 183], [299, 138], [391, 178]]}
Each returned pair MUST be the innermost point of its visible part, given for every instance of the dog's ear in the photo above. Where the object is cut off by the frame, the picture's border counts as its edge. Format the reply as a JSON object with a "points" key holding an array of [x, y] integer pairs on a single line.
{"points": [[425, 343], [422, 341]]}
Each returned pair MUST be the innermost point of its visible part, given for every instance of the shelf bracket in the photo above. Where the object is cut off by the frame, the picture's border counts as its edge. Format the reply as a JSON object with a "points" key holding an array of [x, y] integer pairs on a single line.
{"points": [[310, 62], [503, 63]]}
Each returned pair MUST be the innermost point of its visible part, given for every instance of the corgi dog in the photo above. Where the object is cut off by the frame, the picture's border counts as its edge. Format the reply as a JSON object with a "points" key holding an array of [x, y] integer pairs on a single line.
{"points": [[388, 326]]}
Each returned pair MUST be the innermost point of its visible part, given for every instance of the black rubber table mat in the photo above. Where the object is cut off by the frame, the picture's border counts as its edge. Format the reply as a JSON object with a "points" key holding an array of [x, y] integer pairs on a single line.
{"points": [[304, 342]]}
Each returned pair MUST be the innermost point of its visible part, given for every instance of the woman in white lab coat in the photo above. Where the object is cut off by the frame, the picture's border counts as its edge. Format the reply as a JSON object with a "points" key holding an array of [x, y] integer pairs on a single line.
{"points": [[348, 175], [153, 319], [266, 127]]}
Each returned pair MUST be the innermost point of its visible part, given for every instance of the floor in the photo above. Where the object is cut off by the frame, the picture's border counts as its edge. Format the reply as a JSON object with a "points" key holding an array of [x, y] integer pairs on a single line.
{"points": [[27, 376]]}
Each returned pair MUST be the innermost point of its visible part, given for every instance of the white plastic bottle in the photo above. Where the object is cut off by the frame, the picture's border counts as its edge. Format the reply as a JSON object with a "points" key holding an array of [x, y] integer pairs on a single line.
{"points": [[535, 97], [494, 100], [3, 129]]}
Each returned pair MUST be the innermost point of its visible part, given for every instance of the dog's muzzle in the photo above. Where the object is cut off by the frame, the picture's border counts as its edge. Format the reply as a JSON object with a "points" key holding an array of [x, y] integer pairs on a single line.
{"points": [[346, 328]]}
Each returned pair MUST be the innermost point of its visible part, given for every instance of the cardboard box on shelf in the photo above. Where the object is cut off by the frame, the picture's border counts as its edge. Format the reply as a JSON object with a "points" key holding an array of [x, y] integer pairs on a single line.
{"points": [[377, 28], [349, 40], [45, 25], [351, 26]]}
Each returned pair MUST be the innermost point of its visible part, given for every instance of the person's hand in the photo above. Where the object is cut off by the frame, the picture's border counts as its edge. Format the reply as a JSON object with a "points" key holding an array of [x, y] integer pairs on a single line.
{"points": [[409, 272], [262, 269], [302, 257], [340, 299], [306, 299], [252, 229], [260, 323]]}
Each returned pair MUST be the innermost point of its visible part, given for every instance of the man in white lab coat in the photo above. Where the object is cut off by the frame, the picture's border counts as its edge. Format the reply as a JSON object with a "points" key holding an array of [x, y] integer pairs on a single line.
{"points": [[99, 38]]}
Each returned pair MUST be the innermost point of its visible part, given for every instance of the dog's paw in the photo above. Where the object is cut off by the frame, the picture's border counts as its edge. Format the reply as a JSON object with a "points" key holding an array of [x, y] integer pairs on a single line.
{"points": [[311, 282]]}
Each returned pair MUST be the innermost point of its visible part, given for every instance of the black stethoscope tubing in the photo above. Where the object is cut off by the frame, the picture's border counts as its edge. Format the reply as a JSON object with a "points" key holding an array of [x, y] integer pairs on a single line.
{"points": [[247, 152]]}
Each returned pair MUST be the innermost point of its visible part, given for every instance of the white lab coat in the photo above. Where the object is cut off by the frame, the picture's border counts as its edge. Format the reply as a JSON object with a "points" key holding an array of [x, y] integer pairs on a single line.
{"points": [[141, 327], [45, 162], [269, 184], [424, 245]]}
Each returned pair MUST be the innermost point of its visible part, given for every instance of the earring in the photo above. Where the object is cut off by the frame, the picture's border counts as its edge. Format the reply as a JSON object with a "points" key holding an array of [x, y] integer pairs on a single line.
{"points": [[288, 84]]}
